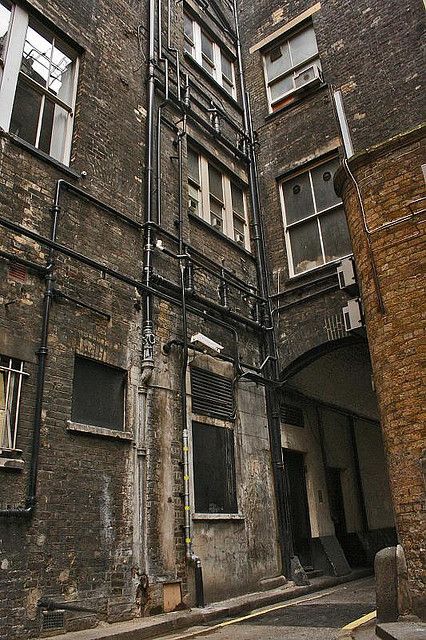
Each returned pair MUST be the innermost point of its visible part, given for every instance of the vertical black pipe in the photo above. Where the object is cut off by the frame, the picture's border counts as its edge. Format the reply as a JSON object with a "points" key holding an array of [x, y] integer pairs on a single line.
{"points": [[361, 497], [269, 346]]}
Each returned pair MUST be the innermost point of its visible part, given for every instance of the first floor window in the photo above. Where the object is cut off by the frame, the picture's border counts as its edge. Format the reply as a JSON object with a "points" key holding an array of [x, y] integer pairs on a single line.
{"points": [[98, 394], [217, 198], [11, 377], [314, 219], [38, 82], [214, 469]]}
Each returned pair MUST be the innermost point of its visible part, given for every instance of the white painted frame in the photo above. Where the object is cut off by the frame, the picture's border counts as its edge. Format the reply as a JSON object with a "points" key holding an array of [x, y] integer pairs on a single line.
{"points": [[292, 72], [317, 215], [227, 210], [9, 79], [217, 60]]}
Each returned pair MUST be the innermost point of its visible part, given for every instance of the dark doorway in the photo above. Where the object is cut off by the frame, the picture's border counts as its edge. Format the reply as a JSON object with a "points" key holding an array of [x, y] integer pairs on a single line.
{"points": [[301, 529], [335, 499]]}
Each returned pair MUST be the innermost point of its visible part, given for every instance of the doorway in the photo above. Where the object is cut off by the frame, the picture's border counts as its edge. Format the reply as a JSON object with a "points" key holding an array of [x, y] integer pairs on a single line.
{"points": [[300, 524]]}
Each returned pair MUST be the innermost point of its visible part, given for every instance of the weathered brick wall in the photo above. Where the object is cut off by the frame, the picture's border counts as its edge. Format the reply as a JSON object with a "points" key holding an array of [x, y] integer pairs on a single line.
{"points": [[390, 180]]}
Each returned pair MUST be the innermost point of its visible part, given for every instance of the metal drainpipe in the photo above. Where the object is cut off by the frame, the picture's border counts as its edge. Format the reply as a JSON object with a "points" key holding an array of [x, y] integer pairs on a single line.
{"points": [[270, 347], [189, 551], [41, 375], [147, 329]]}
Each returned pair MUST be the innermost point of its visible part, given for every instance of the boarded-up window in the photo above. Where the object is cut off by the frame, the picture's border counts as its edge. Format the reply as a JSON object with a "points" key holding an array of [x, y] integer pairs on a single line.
{"points": [[291, 415], [212, 395], [214, 469], [98, 394]]}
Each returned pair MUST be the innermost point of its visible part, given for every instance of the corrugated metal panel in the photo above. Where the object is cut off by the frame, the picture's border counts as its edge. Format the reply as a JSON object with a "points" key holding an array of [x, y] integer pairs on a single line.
{"points": [[212, 395], [291, 415]]}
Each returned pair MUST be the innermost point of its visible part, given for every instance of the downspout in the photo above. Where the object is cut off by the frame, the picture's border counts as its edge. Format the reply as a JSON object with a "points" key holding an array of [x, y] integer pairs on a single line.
{"points": [[148, 337], [270, 347], [42, 352], [189, 551]]}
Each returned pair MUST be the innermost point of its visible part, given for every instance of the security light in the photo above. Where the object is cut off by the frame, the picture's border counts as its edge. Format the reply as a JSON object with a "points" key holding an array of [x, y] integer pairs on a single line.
{"points": [[201, 339]]}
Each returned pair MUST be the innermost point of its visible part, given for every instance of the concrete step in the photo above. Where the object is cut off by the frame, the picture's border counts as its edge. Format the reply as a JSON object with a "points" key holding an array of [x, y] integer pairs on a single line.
{"points": [[401, 631]]}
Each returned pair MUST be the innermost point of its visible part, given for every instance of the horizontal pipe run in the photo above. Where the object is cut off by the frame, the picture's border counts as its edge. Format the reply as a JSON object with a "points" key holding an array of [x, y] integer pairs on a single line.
{"points": [[121, 277], [80, 303], [26, 263], [282, 307], [297, 287], [64, 184]]}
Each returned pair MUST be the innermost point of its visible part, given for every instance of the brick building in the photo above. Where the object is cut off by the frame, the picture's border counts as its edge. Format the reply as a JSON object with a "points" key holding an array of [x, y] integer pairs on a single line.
{"points": [[146, 406]]}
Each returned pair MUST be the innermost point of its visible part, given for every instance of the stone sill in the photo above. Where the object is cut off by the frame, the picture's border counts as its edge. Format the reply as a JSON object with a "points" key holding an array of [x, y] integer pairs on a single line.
{"points": [[217, 516], [91, 429], [41, 155], [10, 459]]}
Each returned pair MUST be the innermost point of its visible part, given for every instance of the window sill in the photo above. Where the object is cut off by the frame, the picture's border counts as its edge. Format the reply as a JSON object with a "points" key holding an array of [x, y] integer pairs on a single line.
{"points": [[40, 155], [295, 99], [91, 429], [221, 235], [218, 516], [10, 459], [313, 274]]}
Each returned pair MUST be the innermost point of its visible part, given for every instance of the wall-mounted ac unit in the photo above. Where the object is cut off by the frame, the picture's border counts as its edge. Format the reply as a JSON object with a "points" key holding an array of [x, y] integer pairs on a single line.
{"points": [[216, 222], [308, 77], [346, 275], [352, 315]]}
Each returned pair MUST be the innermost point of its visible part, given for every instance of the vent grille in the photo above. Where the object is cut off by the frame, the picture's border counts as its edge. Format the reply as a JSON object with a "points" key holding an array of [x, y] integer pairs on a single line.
{"points": [[291, 415], [212, 395], [52, 620], [17, 272]]}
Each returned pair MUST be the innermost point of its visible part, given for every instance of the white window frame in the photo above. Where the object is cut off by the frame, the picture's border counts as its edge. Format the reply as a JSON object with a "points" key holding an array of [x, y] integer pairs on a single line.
{"points": [[315, 216], [227, 210], [9, 75], [13, 370], [292, 71], [217, 56]]}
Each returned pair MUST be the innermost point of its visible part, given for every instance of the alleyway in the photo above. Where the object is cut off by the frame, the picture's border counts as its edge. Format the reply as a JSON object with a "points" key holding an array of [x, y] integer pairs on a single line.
{"points": [[312, 617]]}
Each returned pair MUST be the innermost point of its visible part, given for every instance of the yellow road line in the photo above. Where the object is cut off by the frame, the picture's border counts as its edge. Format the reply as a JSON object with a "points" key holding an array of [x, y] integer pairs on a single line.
{"points": [[255, 614], [357, 623]]}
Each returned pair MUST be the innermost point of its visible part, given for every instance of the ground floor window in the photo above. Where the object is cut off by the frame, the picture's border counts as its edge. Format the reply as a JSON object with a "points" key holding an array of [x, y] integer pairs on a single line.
{"points": [[11, 376], [214, 469]]}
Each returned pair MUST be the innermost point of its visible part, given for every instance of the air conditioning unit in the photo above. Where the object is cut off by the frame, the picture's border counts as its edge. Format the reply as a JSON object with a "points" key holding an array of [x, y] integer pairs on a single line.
{"points": [[192, 205], [216, 222], [346, 275], [308, 77], [239, 237], [352, 315]]}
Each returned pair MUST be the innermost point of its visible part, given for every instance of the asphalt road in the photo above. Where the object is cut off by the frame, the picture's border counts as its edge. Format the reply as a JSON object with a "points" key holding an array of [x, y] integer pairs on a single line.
{"points": [[318, 616]]}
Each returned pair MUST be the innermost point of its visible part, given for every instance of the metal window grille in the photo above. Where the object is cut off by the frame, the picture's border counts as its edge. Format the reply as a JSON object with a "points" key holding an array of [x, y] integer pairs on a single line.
{"points": [[212, 395], [11, 376], [52, 620], [291, 415]]}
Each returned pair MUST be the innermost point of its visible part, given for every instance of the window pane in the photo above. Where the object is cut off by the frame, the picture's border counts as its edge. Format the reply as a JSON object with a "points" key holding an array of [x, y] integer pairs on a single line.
{"points": [[193, 166], [26, 111], [61, 72], [335, 235], [188, 27], [298, 199], [278, 61], [226, 67], [281, 87], [37, 54], [237, 199], [216, 213], [5, 13], [239, 227], [305, 246], [214, 469], [303, 46], [98, 394], [193, 200], [322, 179], [215, 183], [207, 53], [206, 46]]}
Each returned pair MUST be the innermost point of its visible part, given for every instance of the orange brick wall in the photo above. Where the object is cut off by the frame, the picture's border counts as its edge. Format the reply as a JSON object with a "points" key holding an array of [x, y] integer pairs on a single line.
{"points": [[390, 179]]}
